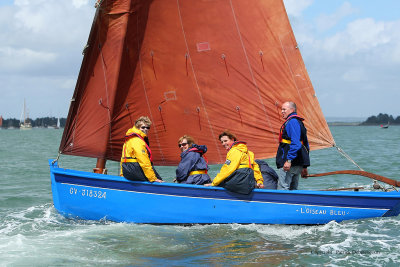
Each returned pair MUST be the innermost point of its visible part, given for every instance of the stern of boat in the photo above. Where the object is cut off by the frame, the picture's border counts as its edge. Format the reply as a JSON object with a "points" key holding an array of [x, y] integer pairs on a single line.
{"points": [[394, 211]]}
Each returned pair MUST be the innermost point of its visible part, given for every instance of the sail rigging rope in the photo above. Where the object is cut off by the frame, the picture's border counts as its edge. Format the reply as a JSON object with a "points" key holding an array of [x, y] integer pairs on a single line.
{"points": [[344, 154], [376, 185], [58, 156]]}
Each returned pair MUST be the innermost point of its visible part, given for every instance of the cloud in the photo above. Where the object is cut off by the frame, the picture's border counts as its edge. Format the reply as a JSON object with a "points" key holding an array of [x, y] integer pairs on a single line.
{"points": [[80, 3], [359, 36], [40, 53], [296, 7], [355, 74], [355, 64], [12, 60], [346, 53], [325, 22]]}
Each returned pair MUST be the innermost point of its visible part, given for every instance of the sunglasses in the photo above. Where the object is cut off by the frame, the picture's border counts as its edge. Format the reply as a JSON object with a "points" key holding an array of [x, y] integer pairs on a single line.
{"points": [[145, 127], [183, 144]]}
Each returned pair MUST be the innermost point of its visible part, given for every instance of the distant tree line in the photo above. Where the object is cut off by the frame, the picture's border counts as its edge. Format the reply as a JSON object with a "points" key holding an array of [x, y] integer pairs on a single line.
{"points": [[39, 122], [381, 119]]}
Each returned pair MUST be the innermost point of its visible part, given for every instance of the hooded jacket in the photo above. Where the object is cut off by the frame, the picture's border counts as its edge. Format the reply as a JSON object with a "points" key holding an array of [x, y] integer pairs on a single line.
{"points": [[192, 161], [238, 157], [136, 157]]}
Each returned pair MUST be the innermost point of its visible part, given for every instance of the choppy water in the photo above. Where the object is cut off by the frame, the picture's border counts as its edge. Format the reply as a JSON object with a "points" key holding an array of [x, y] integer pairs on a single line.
{"points": [[32, 233]]}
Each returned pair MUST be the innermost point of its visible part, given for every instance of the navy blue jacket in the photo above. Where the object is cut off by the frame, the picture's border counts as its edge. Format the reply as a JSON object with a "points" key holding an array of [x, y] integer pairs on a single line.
{"points": [[294, 131], [192, 160]]}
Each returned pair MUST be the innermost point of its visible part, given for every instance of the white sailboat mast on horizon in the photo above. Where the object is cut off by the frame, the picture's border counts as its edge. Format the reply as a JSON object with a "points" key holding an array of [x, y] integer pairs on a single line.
{"points": [[24, 123]]}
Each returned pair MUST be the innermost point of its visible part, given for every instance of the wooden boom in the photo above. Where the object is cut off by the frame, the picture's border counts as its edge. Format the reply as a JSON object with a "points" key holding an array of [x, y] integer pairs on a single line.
{"points": [[361, 173]]}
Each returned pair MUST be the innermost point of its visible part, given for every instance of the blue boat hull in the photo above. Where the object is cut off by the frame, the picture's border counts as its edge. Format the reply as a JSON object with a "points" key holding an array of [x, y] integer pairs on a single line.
{"points": [[93, 196]]}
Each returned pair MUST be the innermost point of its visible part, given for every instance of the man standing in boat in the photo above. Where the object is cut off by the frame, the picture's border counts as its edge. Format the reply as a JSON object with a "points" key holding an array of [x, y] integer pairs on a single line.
{"points": [[292, 157], [136, 160]]}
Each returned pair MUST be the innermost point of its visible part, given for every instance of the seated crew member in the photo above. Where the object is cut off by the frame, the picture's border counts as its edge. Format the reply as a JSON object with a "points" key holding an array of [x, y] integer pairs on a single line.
{"points": [[239, 173], [269, 175], [193, 167], [136, 160]]}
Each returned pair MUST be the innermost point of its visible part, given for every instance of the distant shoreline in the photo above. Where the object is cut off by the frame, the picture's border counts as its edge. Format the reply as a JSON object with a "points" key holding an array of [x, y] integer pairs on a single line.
{"points": [[344, 123], [355, 124]]}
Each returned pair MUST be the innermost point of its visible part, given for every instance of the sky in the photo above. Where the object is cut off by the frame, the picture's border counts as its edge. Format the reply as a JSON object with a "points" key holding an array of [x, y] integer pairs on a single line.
{"points": [[351, 50]]}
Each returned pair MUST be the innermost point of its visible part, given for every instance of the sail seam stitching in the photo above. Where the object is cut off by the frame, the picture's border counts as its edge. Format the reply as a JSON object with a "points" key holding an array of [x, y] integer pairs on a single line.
{"points": [[249, 66], [195, 78], [108, 103], [145, 92]]}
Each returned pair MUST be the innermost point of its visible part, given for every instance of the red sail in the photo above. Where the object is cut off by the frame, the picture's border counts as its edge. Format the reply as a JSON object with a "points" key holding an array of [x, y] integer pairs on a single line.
{"points": [[194, 67]]}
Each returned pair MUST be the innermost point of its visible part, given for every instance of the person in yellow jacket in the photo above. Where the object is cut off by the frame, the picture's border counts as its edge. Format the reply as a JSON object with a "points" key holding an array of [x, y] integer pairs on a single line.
{"points": [[240, 172], [136, 160]]}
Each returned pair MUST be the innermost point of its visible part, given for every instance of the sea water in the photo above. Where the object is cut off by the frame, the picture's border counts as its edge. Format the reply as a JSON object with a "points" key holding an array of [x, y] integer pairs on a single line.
{"points": [[32, 233]]}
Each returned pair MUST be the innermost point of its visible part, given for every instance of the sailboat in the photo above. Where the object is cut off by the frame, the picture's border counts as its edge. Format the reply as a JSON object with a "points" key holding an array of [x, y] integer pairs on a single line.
{"points": [[194, 67], [58, 124], [24, 121], [385, 126]]}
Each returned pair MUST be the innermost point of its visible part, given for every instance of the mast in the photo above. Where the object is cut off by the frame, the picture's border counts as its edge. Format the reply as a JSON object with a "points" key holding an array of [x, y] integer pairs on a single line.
{"points": [[100, 166], [24, 112]]}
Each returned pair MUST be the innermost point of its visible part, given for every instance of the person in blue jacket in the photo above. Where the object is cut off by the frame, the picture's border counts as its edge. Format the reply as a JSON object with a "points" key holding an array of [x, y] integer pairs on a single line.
{"points": [[292, 157], [193, 167]]}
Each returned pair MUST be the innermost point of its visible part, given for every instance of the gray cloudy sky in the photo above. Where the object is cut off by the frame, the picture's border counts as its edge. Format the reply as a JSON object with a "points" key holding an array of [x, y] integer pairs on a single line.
{"points": [[351, 50]]}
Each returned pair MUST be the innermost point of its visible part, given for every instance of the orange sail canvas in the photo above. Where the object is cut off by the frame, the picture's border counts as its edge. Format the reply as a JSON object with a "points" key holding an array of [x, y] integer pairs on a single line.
{"points": [[194, 67]]}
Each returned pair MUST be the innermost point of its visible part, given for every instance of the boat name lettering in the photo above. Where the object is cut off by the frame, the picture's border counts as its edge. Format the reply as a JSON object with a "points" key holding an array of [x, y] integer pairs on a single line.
{"points": [[87, 192], [338, 212], [312, 211], [323, 211]]}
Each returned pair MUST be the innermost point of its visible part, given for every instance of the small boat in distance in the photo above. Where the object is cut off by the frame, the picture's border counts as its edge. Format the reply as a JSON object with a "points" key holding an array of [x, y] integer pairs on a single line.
{"points": [[24, 121], [58, 124], [385, 126]]}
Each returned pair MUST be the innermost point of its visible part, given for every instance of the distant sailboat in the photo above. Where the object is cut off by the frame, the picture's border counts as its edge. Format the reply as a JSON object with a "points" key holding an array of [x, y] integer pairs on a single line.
{"points": [[58, 124], [24, 121], [385, 126], [1, 121]]}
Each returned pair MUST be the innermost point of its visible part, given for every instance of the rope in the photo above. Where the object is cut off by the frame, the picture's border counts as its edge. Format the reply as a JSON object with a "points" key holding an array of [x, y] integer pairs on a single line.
{"points": [[226, 66], [162, 119], [240, 115], [376, 185], [344, 154], [129, 112], [261, 58], [152, 63], [58, 156], [198, 114], [187, 70]]}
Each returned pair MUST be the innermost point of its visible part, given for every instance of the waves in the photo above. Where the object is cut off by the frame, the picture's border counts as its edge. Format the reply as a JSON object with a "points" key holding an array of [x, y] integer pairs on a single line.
{"points": [[33, 233]]}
